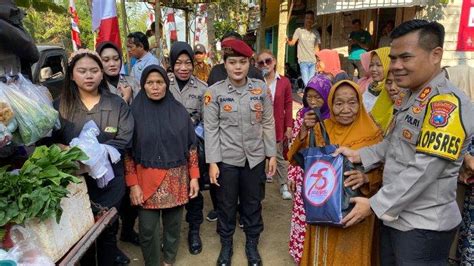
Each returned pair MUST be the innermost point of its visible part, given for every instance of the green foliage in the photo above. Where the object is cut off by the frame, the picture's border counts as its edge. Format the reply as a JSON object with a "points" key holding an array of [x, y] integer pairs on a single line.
{"points": [[435, 10], [230, 15], [85, 24], [37, 189], [47, 26], [223, 26], [41, 5]]}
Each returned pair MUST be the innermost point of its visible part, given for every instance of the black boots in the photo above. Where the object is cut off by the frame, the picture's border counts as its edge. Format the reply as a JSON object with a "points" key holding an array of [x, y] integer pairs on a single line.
{"points": [[251, 250], [194, 241], [227, 250]]}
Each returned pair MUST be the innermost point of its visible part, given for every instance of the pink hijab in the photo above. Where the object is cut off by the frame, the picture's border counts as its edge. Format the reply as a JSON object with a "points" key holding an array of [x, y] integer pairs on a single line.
{"points": [[329, 62], [364, 81]]}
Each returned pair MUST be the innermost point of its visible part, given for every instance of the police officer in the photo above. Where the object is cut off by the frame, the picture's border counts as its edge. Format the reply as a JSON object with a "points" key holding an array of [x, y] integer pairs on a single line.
{"points": [[189, 91], [239, 136], [422, 152], [218, 72], [201, 67]]}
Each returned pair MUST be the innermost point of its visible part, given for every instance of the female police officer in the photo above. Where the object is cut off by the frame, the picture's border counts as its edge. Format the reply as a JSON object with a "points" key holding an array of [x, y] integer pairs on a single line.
{"points": [[239, 136]]}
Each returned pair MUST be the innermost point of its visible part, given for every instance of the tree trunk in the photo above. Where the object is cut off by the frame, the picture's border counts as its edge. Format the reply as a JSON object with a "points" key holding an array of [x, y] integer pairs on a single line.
{"points": [[157, 27], [282, 28], [211, 34]]}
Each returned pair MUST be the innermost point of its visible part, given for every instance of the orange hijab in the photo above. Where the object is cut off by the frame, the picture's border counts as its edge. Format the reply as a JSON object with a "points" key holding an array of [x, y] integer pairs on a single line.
{"points": [[361, 133]]}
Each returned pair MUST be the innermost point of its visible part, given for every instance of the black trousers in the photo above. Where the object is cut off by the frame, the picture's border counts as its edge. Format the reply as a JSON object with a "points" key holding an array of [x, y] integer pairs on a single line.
{"points": [[244, 185], [416, 247], [128, 214], [104, 251], [194, 216]]}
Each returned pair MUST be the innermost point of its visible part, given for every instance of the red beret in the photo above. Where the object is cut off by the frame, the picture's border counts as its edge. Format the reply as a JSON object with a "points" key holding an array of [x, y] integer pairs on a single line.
{"points": [[237, 47]]}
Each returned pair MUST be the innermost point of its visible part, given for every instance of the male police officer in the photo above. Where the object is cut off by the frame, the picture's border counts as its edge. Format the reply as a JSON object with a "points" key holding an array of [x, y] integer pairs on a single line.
{"points": [[422, 152], [240, 135], [189, 91]]}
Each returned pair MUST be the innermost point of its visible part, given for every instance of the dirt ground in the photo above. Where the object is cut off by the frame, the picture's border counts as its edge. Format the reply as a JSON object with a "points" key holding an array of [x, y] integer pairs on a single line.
{"points": [[273, 242]]}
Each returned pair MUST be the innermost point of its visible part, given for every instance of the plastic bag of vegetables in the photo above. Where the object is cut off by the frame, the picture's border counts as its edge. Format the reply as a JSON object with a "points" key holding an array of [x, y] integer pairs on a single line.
{"points": [[35, 119], [38, 92]]}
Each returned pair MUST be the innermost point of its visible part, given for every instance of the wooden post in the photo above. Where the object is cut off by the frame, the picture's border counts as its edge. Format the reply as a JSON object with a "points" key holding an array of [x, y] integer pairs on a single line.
{"points": [[186, 23], [211, 36], [157, 27], [282, 36], [125, 34]]}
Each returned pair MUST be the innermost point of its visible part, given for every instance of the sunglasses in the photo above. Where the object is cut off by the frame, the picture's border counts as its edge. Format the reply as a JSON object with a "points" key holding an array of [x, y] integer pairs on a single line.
{"points": [[264, 62]]}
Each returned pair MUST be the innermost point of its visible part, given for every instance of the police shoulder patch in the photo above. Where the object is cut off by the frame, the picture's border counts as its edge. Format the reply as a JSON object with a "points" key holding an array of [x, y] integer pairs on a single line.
{"points": [[207, 97], [442, 132]]}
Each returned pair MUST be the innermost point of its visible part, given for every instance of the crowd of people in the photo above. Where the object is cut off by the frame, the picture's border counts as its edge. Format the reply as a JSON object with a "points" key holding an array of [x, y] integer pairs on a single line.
{"points": [[404, 120]]}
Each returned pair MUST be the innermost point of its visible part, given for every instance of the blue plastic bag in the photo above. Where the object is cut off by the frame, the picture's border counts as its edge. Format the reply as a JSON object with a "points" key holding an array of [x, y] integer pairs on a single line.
{"points": [[326, 200]]}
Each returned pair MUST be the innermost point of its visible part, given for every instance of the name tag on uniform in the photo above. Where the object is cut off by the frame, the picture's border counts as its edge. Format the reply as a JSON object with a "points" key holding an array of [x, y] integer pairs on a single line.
{"points": [[110, 130]]}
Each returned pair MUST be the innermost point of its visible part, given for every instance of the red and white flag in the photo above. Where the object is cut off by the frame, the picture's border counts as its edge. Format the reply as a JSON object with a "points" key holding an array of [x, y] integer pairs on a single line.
{"points": [[105, 21], [171, 24], [76, 40]]}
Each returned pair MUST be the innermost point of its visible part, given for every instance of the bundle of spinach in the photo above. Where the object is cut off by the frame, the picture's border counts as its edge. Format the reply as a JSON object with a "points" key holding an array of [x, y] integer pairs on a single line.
{"points": [[38, 187]]}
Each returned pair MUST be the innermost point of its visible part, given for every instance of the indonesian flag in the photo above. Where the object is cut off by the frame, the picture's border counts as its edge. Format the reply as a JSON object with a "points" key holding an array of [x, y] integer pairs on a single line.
{"points": [[76, 40], [105, 21], [150, 19], [172, 25]]}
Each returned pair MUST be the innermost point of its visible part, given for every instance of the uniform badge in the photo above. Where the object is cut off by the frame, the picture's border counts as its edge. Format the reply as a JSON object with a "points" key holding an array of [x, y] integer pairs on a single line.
{"points": [[440, 112], [420, 107], [207, 97], [258, 116], [256, 91], [398, 102], [426, 91], [110, 130], [416, 109], [442, 133], [258, 107], [407, 134], [227, 107]]}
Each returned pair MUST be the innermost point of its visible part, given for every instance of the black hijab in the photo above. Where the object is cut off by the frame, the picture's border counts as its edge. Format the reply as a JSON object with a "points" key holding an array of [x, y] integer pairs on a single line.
{"points": [[179, 48], [163, 133], [114, 80]]}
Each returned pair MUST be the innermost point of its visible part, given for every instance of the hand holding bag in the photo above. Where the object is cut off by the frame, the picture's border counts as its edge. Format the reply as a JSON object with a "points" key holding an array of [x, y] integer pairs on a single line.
{"points": [[326, 200]]}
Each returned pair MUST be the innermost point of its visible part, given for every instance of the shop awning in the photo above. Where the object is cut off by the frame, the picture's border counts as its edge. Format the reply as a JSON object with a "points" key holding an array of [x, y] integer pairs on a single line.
{"points": [[333, 6]]}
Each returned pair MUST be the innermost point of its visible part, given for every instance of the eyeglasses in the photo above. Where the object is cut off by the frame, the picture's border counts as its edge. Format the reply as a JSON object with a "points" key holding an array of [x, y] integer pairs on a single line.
{"points": [[263, 62]]}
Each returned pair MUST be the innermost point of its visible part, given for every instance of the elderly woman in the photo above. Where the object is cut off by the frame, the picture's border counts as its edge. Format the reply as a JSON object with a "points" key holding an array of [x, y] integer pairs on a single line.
{"points": [[315, 95], [163, 169], [348, 125]]}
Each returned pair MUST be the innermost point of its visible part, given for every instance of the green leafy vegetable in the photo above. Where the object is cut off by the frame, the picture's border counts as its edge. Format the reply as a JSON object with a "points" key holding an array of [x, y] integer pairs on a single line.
{"points": [[38, 187]]}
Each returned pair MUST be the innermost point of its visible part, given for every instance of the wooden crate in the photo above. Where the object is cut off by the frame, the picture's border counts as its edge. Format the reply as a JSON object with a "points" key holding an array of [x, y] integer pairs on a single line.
{"points": [[77, 218]]}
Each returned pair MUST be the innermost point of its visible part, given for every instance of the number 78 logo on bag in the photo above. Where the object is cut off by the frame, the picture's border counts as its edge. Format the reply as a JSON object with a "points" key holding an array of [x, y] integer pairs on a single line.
{"points": [[319, 182]]}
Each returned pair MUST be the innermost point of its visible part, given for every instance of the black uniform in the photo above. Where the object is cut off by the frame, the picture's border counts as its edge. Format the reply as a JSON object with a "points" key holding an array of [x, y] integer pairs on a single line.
{"points": [[112, 116]]}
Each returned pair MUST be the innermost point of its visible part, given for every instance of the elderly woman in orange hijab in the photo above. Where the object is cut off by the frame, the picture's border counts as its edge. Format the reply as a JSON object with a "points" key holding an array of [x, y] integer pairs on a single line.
{"points": [[330, 65], [348, 125]]}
